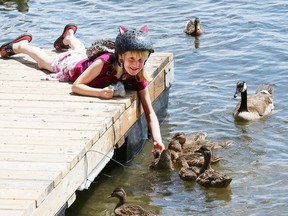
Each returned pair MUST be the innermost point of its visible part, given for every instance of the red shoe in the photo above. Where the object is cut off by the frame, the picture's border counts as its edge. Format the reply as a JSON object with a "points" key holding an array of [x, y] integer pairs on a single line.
{"points": [[6, 49], [58, 44]]}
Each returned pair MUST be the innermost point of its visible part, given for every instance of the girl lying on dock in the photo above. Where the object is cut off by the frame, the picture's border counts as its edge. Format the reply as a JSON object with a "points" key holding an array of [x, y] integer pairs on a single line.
{"points": [[93, 76]]}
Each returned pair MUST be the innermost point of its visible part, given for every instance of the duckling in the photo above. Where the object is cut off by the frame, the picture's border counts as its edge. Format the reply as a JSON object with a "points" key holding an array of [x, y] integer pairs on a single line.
{"points": [[123, 209], [254, 106], [162, 161], [193, 28], [208, 177]]}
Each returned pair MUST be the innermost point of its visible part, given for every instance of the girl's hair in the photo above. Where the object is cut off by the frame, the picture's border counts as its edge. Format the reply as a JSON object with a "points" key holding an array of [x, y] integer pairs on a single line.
{"points": [[142, 75]]}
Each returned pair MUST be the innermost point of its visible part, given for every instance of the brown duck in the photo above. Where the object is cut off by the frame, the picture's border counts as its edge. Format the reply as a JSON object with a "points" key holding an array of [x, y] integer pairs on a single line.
{"points": [[208, 177], [191, 143], [122, 209], [186, 172], [175, 148], [193, 28], [161, 161]]}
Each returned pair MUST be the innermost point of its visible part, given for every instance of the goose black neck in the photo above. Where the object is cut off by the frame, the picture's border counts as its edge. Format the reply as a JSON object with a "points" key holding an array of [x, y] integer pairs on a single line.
{"points": [[207, 162], [243, 105]]}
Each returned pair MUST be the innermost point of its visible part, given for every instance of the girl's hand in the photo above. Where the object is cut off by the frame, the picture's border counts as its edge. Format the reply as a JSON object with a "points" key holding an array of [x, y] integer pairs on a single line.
{"points": [[159, 146], [107, 93]]}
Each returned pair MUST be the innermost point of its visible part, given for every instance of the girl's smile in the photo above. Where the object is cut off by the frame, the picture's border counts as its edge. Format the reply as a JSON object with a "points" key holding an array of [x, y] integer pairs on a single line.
{"points": [[133, 64]]}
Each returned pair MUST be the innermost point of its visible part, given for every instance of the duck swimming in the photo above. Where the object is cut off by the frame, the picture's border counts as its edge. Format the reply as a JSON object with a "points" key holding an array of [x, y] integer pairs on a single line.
{"points": [[254, 106], [162, 161], [122, 209], [193, 28], [186, 172], [208, 177], [175, 148], [192, 142]]}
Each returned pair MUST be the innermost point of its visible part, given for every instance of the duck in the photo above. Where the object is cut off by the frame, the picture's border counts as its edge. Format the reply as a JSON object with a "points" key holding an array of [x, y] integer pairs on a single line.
{"points": [[208, 177], [162, 160], [192, 142], [125, 209], [197, 159], [175, 148], [186, 172], [193, 28], [254, 106], [181, 137]]}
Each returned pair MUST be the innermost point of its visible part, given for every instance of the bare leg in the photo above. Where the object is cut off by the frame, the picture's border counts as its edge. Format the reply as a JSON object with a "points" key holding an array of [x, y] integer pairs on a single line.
{"points": [[72, 41], [43, 60]]}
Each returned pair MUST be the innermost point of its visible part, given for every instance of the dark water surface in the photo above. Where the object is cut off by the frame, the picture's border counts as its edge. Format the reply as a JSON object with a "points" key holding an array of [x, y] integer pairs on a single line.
{"points": [[242, 41]]}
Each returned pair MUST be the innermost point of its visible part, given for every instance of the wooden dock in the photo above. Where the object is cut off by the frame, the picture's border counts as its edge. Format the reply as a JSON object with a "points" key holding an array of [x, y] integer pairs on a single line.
{"points": [[53, 142]]}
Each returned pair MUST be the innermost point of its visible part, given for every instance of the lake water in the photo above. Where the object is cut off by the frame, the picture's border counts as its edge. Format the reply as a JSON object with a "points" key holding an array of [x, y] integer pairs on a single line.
{"points": [[243, 40]]}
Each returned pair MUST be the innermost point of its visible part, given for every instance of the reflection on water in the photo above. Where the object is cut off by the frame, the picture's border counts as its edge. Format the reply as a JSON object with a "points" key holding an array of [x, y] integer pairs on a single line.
{"points": [[20, 5], [243, 40]]}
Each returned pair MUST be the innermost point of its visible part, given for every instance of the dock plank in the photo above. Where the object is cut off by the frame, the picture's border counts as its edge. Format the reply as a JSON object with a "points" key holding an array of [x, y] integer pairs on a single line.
{"points": [[13, 206], [54, 176]]}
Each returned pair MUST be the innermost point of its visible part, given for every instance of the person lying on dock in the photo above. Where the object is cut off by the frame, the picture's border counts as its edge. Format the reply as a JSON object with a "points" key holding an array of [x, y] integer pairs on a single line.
{"points": [[93, 76]]}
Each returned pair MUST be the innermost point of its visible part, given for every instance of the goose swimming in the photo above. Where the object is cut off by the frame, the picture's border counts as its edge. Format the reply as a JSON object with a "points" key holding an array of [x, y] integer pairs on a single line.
{"points": [[254, 106]]}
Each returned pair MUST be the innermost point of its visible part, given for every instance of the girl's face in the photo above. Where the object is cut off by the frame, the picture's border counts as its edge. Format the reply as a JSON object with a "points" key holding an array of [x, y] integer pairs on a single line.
{"points": [[133, 62]]}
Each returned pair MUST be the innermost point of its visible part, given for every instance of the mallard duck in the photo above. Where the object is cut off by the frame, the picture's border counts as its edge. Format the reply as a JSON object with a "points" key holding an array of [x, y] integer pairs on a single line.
{"points": [[254, 106], [197, 159], [186, 172], [193, 28], [175, 148], [162, 161], [123, 209], [208, 177], [192, 142], [174, 144]]}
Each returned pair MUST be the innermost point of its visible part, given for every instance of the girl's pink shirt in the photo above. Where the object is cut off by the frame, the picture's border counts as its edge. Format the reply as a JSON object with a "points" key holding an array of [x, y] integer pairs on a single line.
{"points": [[107, 77]]}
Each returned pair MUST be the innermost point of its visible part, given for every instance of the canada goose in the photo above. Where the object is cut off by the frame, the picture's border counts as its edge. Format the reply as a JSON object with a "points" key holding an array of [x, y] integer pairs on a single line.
{"points": [[193, 28], [254, 106], [123, 209], [208, 177]]}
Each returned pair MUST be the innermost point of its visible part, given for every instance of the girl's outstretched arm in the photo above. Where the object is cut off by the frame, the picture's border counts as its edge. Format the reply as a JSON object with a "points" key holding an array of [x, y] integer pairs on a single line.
{"points": [[152, 119]]}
